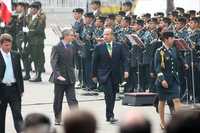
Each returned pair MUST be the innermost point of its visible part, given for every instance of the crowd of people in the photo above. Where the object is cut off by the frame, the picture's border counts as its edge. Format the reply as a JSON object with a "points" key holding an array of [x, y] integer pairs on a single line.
{"points": [[159, 53]]}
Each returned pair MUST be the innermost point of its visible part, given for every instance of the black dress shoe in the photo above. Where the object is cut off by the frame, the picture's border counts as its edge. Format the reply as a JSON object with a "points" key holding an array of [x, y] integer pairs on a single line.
{"points": [[35, 80], [112, 120], [26, 77]]}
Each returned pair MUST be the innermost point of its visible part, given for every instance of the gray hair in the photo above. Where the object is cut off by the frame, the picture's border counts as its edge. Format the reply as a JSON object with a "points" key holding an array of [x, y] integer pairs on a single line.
{"points": [[66, 31]]}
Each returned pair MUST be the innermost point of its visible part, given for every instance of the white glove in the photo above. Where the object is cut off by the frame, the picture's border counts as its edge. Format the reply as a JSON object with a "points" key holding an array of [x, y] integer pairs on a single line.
{"points": [[25, 29], [2, 25]]}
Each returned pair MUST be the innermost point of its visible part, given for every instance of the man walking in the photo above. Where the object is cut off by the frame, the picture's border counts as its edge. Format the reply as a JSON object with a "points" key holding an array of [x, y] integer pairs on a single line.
{"points": [[11, 83], [106, 69], [63, 76]]}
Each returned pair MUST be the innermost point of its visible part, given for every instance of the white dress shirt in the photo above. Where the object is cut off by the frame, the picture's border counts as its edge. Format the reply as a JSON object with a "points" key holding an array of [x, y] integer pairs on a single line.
{"points": [[9, 73]]}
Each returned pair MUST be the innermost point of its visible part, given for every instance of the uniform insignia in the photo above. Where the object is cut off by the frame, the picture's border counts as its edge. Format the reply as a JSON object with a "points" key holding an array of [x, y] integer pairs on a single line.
{"points": [[162, 59]]}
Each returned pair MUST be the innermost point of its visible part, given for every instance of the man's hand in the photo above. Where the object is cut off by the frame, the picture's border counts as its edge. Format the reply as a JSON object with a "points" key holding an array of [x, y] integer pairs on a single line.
{"points": [[164, 84], [61, 78], [126, 75], [94, 79]]}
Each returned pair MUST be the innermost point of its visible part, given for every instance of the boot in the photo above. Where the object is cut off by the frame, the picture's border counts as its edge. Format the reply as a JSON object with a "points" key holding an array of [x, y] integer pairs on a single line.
{"points": [[37, 78]]}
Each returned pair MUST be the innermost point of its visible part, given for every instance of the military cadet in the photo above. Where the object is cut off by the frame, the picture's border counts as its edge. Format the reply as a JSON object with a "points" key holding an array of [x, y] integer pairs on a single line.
{"points": [[36, 36], [119, 17], [127, 7], [96, 5], [78, 24], [152, 27], [11, 28], [173, 16], [78, 28], [98, 30], [168, 85], [182, 32], [194, 38], [87, 39], [146, 17], [164, 24], [124, 30]]}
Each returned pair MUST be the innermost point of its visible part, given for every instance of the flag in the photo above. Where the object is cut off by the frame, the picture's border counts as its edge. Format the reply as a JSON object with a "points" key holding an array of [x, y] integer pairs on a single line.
{"points": [[5, 10]]}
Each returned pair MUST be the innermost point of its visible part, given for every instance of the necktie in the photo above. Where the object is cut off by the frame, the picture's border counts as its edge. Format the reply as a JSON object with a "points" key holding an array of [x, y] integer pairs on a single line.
{"points": [[8, 76], [109, 48]]}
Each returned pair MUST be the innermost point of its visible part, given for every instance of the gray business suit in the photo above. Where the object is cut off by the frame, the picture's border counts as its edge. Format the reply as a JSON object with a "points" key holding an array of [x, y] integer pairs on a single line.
{"points": [[62, 62]]}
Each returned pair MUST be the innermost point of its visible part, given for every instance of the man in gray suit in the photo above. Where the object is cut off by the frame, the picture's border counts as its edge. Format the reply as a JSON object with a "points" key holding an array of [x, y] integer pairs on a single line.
{"points": [[63, 76]]}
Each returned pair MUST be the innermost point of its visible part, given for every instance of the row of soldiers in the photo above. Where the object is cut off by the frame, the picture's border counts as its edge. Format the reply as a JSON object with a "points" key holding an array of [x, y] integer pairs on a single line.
{"points": [[27, 27], [89, 29]]}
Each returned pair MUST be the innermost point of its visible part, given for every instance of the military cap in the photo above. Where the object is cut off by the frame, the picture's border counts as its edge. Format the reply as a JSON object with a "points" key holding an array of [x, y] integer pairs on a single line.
{"points": [[121, 13], [97, 2], [159, 14], [89, 14], [35, 5], [127, 19], [192, 12], [186, 15], [173, 13], [128, 3], [79, 10], [166, 20], [140, 22], [5, 37], [146, 15], [38, 3], [155, 20], [101, 18], [20, 3], [111, 16], [180, 9]]}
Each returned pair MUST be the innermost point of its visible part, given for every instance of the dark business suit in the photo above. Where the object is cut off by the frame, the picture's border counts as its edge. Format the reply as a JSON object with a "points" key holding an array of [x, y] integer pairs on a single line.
{"points": [[107, 70], [11, 94], [62, 62]]}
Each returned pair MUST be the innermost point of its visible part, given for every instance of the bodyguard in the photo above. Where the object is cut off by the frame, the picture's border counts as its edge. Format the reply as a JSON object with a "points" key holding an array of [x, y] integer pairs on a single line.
{"points": [[11, 83]]}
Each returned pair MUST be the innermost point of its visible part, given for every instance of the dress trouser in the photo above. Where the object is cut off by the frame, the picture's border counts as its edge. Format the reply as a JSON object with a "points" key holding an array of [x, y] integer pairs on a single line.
{"points": [[59, 91], [110, 90], [13, 98]]}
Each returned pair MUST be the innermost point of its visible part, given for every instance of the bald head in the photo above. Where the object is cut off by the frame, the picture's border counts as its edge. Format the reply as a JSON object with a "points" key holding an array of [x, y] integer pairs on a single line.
{"points": [[134, 122]]}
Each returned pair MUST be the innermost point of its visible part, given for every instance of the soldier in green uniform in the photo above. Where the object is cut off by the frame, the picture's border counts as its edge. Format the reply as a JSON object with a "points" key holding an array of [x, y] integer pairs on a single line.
{"points": [[87, 39], [42, 14], [98, 30], [36, 36]]}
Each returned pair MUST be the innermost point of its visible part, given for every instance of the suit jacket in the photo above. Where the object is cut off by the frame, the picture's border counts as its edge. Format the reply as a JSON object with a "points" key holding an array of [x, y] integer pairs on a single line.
{"points": [[15, 57], [105, 65], [62, 63]]}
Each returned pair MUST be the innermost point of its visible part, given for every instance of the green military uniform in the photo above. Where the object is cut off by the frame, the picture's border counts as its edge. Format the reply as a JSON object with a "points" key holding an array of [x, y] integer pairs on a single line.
{"points": [[36, 36]]}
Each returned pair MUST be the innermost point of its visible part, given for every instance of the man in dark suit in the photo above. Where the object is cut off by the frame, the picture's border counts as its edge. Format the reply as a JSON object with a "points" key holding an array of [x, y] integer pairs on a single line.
{"points": [[11, 83], [106, 69], [63, 76]]}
